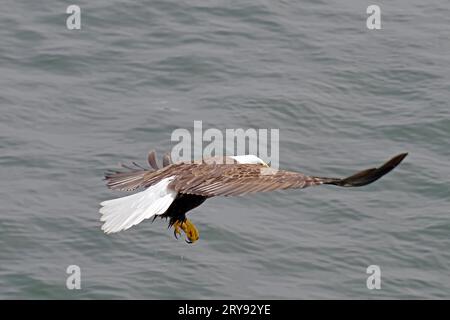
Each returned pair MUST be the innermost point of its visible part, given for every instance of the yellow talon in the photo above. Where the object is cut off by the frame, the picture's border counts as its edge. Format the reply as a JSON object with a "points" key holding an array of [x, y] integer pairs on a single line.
{"points": [[176, 229], [189, 229]]}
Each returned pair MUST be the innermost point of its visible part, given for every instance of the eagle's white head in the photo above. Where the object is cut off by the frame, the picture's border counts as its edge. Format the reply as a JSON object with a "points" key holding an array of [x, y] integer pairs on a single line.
{"points": [[249, 159]]}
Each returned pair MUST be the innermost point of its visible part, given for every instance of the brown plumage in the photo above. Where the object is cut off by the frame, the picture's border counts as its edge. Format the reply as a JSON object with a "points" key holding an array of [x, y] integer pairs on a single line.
{"points": [[220, 179]]}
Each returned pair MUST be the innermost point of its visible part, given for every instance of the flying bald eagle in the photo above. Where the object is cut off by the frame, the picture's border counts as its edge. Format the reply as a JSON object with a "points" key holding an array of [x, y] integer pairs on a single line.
{"points": [[176, 188]]}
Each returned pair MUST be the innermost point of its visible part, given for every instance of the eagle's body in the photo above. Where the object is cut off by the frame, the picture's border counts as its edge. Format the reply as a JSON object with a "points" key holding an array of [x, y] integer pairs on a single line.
{"points": [[181, 205], [173, 190]]}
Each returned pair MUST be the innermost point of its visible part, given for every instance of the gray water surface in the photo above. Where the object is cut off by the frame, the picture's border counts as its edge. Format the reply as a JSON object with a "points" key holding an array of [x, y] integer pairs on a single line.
{"points": [[74, 103]]}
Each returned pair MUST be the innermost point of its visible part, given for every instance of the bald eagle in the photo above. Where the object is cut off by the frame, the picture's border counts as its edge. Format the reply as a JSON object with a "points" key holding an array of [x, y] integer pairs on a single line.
{"points": [[174, 189]]}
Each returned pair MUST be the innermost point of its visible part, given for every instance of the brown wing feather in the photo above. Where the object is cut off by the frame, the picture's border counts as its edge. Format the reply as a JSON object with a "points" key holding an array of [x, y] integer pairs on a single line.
{"points": [[167, 160], [151, 159]]}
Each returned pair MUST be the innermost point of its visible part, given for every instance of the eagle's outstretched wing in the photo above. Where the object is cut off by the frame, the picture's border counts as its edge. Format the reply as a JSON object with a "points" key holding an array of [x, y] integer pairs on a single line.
{"points": [[237, 179], [240, 179]]}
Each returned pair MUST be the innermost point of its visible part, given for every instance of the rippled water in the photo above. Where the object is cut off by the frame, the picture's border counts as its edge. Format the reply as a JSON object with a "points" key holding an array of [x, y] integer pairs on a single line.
{"points": [[75, 103]]}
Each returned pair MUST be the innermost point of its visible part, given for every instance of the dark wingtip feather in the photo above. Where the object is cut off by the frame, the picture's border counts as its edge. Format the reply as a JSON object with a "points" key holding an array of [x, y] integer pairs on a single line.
{"points": [[152, 160], [167, 160], [368, 176]]}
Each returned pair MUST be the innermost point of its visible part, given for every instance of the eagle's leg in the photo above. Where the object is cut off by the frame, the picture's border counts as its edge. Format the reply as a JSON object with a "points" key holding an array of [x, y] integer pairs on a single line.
{"points": [[189, 229]]}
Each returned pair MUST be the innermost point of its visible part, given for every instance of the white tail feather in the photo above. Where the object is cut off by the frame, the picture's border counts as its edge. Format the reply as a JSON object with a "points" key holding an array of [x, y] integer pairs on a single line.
{"points": [[122, 213]]}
